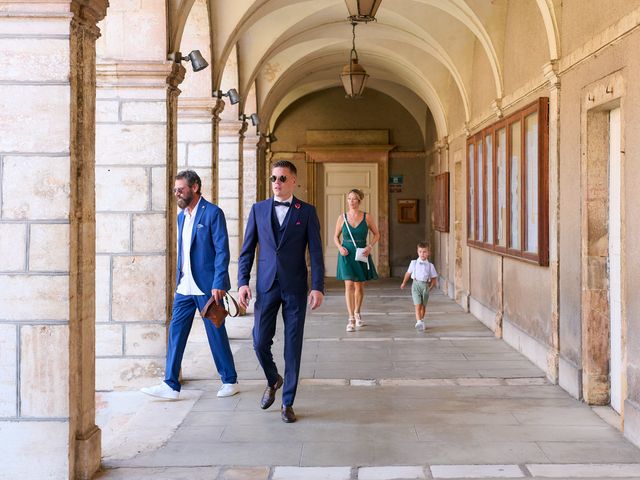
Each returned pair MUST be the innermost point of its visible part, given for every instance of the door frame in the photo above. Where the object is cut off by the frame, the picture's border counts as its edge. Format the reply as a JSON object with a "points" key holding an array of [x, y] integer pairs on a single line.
{"points": [[379, 154], [597, 100]]}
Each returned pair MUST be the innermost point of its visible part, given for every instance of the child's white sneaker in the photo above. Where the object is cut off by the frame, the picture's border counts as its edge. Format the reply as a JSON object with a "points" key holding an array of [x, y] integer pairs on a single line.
{"points": [[420, 326]]}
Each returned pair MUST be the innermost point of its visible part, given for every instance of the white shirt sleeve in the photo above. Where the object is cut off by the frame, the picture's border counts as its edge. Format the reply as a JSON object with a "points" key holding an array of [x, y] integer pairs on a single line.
{"points": [[412, 266], [432, 271]]}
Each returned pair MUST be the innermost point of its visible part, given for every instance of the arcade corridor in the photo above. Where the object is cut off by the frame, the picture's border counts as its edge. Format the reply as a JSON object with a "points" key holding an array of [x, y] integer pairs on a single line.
{"points": [[385, 402]]}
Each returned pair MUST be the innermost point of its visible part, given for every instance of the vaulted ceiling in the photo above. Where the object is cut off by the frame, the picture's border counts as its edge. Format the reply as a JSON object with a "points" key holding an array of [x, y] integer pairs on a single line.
{"points": [[421, 52]]}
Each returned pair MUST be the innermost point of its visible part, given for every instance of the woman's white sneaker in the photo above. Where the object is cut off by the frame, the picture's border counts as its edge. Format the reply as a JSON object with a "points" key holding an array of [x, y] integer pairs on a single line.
{"points": [[162, 391], [228, 389]]}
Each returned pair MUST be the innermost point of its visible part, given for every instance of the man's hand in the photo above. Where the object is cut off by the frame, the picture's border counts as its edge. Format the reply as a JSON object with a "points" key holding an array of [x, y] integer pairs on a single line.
{"points": [[315, 299], [218, 295], [244, 296]]}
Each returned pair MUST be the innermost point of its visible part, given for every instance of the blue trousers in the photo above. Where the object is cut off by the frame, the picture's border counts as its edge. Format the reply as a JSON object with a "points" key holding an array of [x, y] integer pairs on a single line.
{"points": [[184, 309], [294, 308]]}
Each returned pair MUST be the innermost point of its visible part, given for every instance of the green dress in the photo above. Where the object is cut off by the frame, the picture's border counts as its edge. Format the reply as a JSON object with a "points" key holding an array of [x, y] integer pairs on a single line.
{"points": [[348, 267]]}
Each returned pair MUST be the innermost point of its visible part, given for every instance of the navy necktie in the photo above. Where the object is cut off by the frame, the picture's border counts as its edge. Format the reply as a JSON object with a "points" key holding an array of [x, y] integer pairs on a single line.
{"points": [[276, 203]]}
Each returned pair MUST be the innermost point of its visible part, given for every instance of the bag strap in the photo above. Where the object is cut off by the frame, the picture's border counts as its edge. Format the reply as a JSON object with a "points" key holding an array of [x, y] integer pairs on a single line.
{"points": [[349, 230], [226, 299]]}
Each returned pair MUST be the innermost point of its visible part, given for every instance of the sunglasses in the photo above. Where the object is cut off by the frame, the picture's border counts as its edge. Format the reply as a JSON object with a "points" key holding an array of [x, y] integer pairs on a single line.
{"points": [[282, 178]]}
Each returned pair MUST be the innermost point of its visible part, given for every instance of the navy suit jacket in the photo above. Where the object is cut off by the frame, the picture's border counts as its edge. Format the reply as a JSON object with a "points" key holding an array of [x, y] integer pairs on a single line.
{"points": [[209, 248], [286, 259]]}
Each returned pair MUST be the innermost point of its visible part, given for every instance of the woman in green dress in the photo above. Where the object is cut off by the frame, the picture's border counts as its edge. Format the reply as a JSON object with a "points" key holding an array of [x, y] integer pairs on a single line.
{"points": [[354, 272]]}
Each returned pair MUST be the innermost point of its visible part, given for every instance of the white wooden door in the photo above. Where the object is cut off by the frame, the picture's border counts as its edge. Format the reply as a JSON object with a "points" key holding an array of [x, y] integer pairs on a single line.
{"points": [[338, 179], [615, 265]]}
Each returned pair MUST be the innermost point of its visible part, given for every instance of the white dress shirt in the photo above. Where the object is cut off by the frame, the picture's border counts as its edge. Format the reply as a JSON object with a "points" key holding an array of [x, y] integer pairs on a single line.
{"points": [[187, 285], [281, 210], [422, 270]]}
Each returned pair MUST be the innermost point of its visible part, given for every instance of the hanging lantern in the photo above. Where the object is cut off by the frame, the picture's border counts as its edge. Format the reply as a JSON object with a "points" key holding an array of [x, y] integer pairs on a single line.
{"points": [[362, 10], [353, 75]]}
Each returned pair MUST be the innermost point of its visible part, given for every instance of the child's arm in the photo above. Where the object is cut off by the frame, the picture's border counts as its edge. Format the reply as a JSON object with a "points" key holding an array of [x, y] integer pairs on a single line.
{"points": [[406, 278], [432, 282]]}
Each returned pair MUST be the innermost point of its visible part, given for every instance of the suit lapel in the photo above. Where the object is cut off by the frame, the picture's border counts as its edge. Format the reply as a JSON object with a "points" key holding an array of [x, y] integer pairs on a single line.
{"points": [[196, 219], [268, 216], [294, 214]]}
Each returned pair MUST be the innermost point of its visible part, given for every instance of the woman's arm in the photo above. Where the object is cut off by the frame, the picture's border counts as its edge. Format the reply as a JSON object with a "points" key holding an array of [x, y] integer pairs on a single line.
{"points": [[336, 237], [374, 231]]}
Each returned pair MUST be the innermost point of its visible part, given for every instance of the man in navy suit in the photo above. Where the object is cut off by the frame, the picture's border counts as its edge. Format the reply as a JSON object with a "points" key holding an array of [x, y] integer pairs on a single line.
{"points": [[203, 272], [284, 227]]}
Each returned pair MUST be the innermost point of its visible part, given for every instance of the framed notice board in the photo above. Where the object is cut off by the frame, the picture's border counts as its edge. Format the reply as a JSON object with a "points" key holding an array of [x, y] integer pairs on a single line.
{"points": [[441, 203], [408, 211]]}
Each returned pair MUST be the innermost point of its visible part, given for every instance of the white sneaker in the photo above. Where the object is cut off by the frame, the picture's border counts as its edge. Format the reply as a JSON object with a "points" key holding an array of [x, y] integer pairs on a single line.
{"points": [[161, 391], [359, 322], [228, 389], [420, 326]]}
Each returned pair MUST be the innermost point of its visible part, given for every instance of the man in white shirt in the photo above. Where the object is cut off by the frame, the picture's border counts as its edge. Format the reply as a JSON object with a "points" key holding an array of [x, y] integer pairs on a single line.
{"points": [[424, 277], [202, 273]]}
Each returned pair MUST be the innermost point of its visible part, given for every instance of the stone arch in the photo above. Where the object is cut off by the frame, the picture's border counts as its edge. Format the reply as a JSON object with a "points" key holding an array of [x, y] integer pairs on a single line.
{"points": [[551, 27]]}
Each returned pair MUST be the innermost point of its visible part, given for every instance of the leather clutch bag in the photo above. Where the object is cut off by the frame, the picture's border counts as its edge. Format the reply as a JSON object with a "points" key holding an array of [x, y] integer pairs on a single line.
{"points": [[216, 311]]}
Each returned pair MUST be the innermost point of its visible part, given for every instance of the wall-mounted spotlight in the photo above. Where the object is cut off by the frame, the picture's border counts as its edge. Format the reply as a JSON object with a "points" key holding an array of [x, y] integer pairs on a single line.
{"points": [[255, 120], [232, 93], [195, 57], [272, 138]]}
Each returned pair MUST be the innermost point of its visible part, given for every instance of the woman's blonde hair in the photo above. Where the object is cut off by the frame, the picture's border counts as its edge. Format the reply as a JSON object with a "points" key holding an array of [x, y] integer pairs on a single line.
{"points": [[357, 192]]}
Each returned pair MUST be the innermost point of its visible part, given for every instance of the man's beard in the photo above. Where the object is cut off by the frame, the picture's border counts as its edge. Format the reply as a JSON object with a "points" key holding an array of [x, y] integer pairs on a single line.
{"points": [[185, 200]]}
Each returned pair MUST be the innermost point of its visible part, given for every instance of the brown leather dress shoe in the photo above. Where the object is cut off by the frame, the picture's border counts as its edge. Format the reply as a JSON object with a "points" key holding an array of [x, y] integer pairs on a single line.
{"points": [[287, 415], [269, 395]]}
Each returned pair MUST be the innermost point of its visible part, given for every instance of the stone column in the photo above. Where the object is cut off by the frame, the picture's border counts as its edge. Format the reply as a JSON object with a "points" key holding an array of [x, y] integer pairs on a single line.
{"points": [[241, 179], [262, 161], [47, 234], [250, 178], [553, 357], [175, 78], [215, 168], [84, 435]]}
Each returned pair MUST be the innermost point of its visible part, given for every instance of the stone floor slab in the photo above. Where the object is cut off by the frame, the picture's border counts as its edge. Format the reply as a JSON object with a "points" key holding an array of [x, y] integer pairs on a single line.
{"points": [[311, 473], [160, 473], [245, 473], [631, 470], [391, 473], [476, 471]]}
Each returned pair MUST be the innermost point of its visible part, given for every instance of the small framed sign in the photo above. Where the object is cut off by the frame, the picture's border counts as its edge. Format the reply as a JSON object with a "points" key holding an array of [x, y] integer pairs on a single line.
{"points": [[408, 211]]}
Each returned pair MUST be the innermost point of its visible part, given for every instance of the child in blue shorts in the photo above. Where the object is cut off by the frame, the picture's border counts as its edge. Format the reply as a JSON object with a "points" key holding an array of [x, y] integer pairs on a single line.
{"points": [[424, 277]]}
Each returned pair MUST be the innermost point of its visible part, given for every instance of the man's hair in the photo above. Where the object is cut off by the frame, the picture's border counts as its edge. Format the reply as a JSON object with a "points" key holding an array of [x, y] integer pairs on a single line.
{"points": [[190, 177], [358, 193], [424, 245], [285, 164]]}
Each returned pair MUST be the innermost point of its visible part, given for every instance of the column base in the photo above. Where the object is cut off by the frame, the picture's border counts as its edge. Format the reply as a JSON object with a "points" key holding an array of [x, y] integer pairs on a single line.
{"points": [[88, 452]]}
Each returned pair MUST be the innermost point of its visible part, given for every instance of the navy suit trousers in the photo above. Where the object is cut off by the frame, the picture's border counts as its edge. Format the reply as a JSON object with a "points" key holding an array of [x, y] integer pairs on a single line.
{"points": [[294, 308], [184, 308]]}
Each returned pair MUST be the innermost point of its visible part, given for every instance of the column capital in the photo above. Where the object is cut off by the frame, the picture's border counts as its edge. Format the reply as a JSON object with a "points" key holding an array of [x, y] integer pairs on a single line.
{"points": [[89, 11], [551, 73], [243, 129], [218, 109], [443, 144], [176, 77], [496, 105]]}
